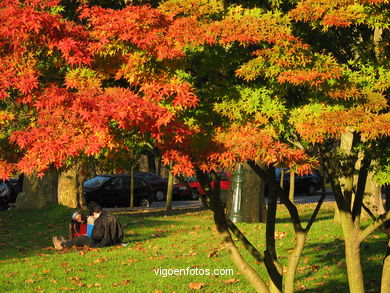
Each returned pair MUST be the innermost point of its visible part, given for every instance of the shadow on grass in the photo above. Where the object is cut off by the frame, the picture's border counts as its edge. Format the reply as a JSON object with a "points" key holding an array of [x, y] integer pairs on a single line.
{"points": [[331, 254], [159, 212], [27, 233]]}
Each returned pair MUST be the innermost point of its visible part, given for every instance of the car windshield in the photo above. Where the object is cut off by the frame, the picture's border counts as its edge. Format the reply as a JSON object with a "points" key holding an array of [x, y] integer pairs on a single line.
{"points": [[96, 182]]}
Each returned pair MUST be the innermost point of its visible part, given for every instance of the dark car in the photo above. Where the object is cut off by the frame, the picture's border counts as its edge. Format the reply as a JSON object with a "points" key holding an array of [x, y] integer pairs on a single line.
{"points": [[9, 190], [155, 184], [308, 184], [114, 190]]}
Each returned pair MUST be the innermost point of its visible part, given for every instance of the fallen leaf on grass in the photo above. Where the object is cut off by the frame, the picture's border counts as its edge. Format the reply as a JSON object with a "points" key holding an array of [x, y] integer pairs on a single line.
{"points": [[10, 274], [231, 281], [101, 276], [315, 268], [213, 254], [123, 283], [30, 281], [195, 286], [319, 284], [65, 289], [280, 234], [93, 285]]}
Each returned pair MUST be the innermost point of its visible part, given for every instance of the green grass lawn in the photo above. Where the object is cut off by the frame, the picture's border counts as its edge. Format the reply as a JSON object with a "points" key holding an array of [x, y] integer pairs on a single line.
{"points": [[157, 244]]}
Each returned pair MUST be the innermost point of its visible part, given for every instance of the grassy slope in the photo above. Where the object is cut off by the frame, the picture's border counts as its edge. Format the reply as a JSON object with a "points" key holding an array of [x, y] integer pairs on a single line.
{"points": [[184, 239]]}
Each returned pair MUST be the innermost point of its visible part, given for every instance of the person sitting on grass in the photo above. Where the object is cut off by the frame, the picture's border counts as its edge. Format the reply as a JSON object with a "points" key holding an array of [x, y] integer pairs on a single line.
{"points": [[80, 225], [77, 225], [107, 231]]}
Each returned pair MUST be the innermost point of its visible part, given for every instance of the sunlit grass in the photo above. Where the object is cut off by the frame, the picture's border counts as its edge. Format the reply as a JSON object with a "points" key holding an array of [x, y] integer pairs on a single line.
{"points": [[185, 239]]}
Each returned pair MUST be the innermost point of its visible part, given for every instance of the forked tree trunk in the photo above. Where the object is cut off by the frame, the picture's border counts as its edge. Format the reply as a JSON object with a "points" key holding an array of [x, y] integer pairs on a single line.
{"points": [[213, 198]]}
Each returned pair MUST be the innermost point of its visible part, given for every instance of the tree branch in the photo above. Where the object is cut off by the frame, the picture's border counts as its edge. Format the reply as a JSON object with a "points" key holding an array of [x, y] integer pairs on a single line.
{"points": [[247, 244], [376, 224], [317, 209]]}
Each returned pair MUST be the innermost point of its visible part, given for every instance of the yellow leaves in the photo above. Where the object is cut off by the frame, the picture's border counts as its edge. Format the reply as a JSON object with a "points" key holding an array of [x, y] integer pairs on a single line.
{"points": [[196, 8], [83, 78]]}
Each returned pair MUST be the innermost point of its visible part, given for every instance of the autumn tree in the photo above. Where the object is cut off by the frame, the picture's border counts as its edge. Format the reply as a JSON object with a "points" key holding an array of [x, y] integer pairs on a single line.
{"points": [[288, 104]]}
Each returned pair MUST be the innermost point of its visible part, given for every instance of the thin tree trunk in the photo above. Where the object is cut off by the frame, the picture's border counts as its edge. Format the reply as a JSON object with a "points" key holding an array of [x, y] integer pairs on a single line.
{"points": [[292, 186], [132, 187], [385, 280], [168, 203], [354, 267], [273, 267], [293, 260]]}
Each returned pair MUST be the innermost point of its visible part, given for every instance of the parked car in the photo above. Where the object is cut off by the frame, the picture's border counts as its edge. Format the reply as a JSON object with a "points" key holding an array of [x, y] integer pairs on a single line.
{"points": [[197, 189], [308, 184], [9, 190], [114, 190], [155, 184], [181, 191]]}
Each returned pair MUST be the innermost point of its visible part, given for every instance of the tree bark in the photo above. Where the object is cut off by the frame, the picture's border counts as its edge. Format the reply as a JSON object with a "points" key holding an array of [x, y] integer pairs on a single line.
{"points": [[70, 187], [168, 203], [253, 204], [293, 260], [38, 192], [253, 209], [292, 186]]}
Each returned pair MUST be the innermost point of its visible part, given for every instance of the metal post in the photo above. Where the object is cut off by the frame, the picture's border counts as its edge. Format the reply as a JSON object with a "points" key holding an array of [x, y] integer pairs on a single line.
{"points": [[235, 215]]}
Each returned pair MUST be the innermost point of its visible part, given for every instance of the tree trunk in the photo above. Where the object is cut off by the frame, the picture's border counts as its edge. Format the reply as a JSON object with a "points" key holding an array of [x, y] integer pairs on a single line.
{"points": [[352, 254], [38, 192], [168, 203], [70, 187], [373, 196], [293, 260], [132, 187], [385, 283], [222, 227], [253, 209], [292, 186]]}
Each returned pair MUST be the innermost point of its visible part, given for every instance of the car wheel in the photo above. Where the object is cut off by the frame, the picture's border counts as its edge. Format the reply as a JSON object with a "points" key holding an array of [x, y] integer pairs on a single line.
{"points": [[145, 203], [159, 195], [194, 194], [311, 190]]}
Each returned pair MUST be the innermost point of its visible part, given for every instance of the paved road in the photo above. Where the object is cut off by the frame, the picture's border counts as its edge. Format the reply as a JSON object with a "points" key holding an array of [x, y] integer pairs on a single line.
{"points": [[299, 199]]}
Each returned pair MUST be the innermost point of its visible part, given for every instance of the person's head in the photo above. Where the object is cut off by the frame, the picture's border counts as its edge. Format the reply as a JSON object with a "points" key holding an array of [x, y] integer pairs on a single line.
{"points": [[95, 210], [78, 217]]}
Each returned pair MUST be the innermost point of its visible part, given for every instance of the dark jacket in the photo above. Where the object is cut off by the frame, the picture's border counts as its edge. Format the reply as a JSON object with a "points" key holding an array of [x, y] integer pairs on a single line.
{"points": [[107, 230]]}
